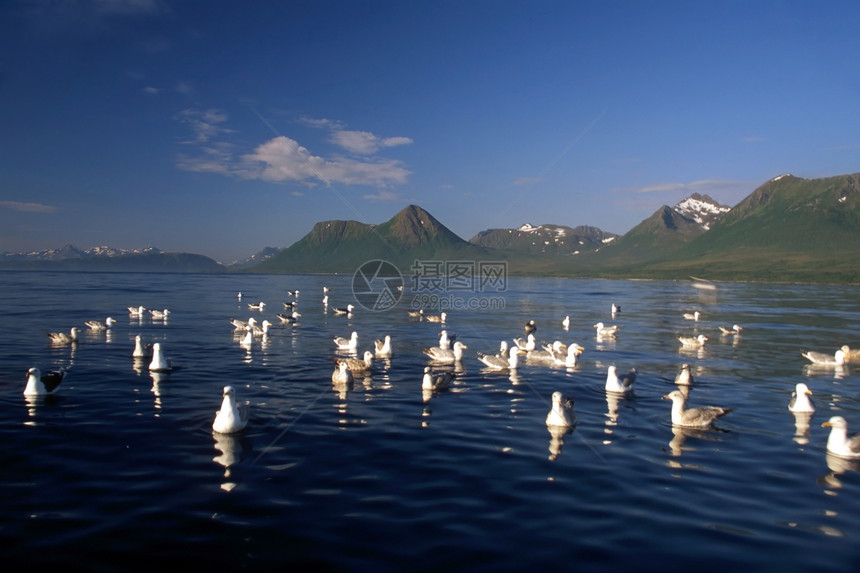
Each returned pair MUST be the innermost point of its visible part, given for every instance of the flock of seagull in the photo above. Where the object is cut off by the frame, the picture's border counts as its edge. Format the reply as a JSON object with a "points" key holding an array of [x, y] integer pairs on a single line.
{"points": [[233, 416]]}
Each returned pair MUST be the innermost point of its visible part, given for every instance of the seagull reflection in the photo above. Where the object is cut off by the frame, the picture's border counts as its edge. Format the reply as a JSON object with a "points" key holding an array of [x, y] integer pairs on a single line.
{"points": [[158, 389], [556, 440], [838, 371], [231, 448], [680, 435], [837, 467], [611, 411], [801, 427]]}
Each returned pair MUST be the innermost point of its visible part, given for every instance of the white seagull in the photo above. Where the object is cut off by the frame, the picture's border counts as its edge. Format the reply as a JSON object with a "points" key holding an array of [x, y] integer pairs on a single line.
{"points": [[528, 344], [565, 323], [692, 315], [442, 317], [619, 384], [446, 355], [136, 310], [800, 399], [693, 342], [572, 358], [606, 329], [684, 376], [141, 351], [289, 318], [98, 325], [347, 310], [342, 374], [382, 348], [39, 384], [350, 343], [735, 329], [159, 362], [822, 359], [232, 417], [63, 338], [159, 314], [562, 412], [257, 306], [700, 417], [499, 362], [838, 442], [358, 365]]}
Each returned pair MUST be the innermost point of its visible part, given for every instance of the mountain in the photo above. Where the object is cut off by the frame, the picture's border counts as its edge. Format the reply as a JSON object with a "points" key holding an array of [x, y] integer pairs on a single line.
{"points": [[342, 246], [109, 259], [256, 258], [668, 230], [544, 239], [788, 229]]}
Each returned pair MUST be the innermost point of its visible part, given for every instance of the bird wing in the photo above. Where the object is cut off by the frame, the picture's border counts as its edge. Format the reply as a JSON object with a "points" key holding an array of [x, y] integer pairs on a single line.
{"points": [[52, 380]]}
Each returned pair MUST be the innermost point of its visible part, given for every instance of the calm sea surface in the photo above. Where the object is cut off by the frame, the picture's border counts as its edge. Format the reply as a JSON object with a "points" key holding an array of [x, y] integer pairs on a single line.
{"points": [[122, 471]]}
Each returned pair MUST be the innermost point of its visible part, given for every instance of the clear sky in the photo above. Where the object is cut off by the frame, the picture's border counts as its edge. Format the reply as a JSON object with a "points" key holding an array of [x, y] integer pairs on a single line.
{"points": [[220, 128]]}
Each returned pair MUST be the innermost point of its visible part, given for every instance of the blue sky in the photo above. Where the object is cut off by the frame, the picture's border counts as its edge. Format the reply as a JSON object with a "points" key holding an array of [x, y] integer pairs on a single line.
{"points": [[220, 127]]}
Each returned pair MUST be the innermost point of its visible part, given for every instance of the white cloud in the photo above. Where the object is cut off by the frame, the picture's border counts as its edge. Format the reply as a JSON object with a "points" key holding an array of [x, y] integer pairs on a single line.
{"points": [[28, 207], [383, 195], [365, 142], [206, 124], [701, 186]]}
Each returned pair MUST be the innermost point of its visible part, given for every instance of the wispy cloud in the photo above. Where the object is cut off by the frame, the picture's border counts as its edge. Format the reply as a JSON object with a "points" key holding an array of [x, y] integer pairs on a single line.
{"points": [[700, 186], [383, 195], [526, 181], [283, 159], [28, 207]]}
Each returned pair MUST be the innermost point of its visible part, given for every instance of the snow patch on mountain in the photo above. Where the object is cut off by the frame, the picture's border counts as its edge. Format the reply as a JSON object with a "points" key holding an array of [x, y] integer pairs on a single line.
{"points": [[702, 209]]}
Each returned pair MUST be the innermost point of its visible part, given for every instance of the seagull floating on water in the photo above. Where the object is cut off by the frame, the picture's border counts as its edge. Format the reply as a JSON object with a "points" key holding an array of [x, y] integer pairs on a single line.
{"points": [[350, 343], [141, 351], [735, 329], [693, 341], [382, 348], [436, 381], [257, 306], [838, 442], [620, 384], [684, 377], [692, 315], [571, 360], [347, 310], [528, 344], [530, 327], [565, 323], [39, 384], [136, 310], [499, 362], [98, 325], [442, 317], [295, 293], [445, 340], [561, 413], [615, 309], [446, 355], [159, 314], [342, 374], [232, 417], [700, 417], [289, 318], [606, 329], [159, 362], [416, 313], [63, 338], [800, 399], [822, 359], [358, 365]]}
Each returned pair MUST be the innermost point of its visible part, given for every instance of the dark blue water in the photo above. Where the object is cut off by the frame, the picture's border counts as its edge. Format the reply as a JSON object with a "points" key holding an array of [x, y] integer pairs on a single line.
{"points": [[121, 470]]}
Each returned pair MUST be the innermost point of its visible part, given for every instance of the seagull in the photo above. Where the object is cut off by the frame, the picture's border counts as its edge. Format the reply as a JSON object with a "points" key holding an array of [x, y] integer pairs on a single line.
{"points": [[615, 309], [241, 324], [565, 323], [382, 348], [606, 329], [350, 343], [684, 377], [291, 305], [548, 354], [248, 340], [499, 362], [528, 344], [735, 329], [99, 326], [446, 355], [257, 306], [358, 365], [159, 314], [39, 384], [141, 351], [700, 417], [837, 359], [693, 342], [260, 330], [416, 313], [530, 327], [838, 442], [800, 401], [620, 385], [136, 310], [231, 417], [342, 374], [63, 338], [442, 317], [347, 310], [572, 358], [445, 341], [159, 362], [295, 293], [436, 381], [692, 315], [239, 295], [562, 411], [289, 318]]}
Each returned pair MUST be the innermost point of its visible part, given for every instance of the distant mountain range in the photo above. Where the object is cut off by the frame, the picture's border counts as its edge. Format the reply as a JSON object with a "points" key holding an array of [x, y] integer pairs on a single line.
{"points": [[789, 229]]}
